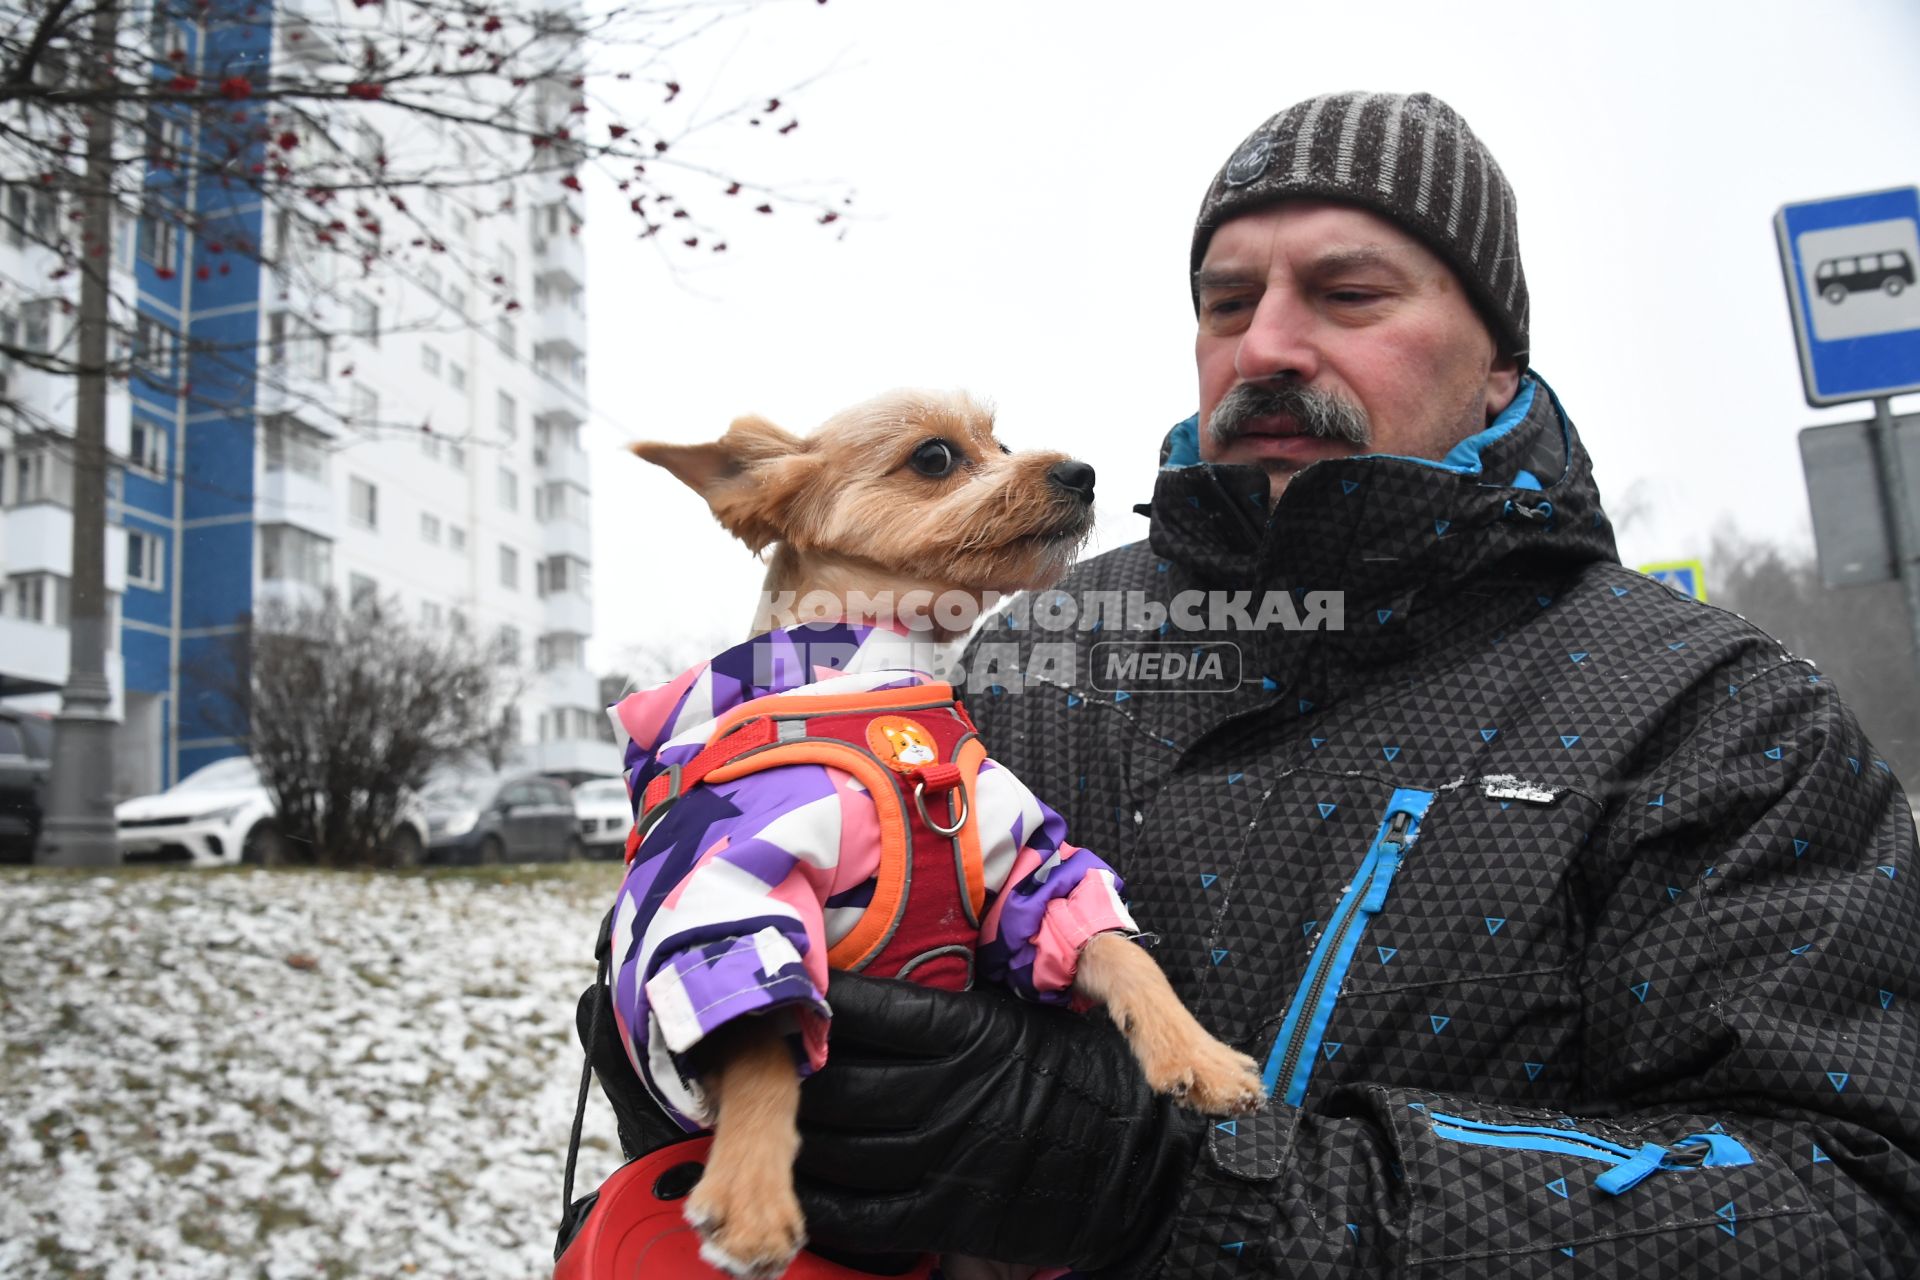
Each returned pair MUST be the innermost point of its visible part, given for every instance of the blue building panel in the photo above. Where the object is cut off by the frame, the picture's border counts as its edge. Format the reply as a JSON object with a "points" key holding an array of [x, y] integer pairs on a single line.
{"points": [[149, 660], [208, 683], [205, 288], [216, 575]]}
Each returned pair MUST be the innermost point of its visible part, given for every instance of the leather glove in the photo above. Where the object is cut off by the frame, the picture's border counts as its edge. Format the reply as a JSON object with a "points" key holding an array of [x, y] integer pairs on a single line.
{"points": [[977, 1123]]}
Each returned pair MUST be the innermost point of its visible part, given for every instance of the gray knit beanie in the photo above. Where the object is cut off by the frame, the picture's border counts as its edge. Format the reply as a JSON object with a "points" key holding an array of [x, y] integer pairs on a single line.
{"points": [[1409, 158]]}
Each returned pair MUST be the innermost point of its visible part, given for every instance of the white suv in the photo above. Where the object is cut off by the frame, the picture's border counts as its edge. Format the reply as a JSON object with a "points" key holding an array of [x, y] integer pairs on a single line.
{"points": [[219, 815]]}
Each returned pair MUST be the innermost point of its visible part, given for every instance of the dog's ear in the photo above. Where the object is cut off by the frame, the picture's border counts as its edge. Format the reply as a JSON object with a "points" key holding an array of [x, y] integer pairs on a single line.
{"points": [[754, 478]]}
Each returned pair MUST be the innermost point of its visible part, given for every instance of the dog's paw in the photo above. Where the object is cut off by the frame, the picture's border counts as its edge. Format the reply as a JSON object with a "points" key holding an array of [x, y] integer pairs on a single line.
{"points": [[1205, 1075], [753, 1240]]}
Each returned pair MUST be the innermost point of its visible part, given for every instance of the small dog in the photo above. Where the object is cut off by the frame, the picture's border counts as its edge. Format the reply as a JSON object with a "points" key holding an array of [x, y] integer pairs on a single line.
{"points": [[906, 493]]}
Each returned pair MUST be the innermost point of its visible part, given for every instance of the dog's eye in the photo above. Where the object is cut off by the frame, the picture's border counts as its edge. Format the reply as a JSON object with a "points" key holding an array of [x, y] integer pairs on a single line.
{"points": [[934, 458], [1003, 448]]}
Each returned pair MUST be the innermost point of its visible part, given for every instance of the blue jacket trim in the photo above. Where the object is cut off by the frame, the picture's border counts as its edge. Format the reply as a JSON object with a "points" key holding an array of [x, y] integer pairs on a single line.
{"points": [[1183, 443], [1630, 1166], [1464, 458], [1298, 1043]]}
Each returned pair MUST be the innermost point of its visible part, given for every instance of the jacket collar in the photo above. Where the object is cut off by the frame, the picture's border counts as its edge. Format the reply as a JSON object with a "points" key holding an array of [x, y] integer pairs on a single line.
{"points": [[1384, 529]]}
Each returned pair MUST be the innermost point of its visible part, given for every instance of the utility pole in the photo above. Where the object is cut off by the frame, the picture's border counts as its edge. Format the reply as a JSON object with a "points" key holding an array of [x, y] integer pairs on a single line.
{"points": [[79, 828]]}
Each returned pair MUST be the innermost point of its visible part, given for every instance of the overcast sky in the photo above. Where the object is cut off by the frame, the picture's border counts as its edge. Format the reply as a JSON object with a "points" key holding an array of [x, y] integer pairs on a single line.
{"points": [[1026, 179]]}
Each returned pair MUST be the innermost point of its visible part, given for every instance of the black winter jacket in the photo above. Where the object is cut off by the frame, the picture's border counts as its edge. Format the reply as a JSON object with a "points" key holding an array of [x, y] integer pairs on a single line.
{"points": [[1579, 922]]}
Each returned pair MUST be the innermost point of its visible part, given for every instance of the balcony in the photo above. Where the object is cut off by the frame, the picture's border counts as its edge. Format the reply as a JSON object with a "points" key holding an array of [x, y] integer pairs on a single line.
{"points": [[292, 497], [567, 611], [560, 260], [568, 537], [575, 758], [39, 539], [559, 332], [569, 687], [563, 462], [33, 656], [284, 597]]}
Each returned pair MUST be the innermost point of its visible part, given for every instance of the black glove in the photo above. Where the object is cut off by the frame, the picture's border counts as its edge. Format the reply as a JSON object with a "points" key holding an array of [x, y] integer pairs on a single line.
{"points": [[977, 1123]]}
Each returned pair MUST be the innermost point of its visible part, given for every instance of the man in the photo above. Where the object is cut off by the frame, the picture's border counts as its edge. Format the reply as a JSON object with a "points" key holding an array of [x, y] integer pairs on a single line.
{"points": [[1573, 920]]}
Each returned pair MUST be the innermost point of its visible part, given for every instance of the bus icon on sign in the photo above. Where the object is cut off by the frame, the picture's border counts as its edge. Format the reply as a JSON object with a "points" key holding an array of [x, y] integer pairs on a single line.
{"points": [[1889, 272]]}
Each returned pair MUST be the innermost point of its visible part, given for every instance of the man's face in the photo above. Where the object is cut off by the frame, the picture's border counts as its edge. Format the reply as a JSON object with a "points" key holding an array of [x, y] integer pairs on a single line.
{"points": [[1326, 331]]}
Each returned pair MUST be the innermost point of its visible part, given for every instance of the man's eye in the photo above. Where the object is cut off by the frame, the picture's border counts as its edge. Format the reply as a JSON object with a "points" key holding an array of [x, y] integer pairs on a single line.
{"points": [[1352, 295], [1224, 306], [934, 458]]}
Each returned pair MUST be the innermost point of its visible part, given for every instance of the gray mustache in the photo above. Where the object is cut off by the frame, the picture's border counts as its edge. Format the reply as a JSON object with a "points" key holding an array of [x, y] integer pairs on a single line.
{"points": [[1319, 414]]}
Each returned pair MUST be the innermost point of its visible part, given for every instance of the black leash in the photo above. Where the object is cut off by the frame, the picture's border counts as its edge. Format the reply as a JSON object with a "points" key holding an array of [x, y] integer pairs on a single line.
{"points": [[603, 953]]}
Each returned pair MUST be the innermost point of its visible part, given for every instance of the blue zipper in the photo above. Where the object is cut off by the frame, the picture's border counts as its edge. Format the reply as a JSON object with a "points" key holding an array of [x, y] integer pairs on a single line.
{"points": [[1306, 1025], [1630, 1165]]}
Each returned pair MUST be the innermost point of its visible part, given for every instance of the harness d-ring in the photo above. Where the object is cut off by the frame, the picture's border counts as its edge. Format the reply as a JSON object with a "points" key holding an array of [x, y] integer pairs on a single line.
{"points": [[920, 803]]}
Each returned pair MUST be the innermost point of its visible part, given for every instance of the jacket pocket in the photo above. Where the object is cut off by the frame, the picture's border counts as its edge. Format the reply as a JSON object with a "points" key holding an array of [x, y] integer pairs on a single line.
{"points": [[1290, 1063], [1625, 1167]]}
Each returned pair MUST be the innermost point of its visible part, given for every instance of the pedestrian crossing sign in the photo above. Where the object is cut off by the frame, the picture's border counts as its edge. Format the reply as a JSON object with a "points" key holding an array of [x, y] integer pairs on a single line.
{"points": [[1688, 577]]}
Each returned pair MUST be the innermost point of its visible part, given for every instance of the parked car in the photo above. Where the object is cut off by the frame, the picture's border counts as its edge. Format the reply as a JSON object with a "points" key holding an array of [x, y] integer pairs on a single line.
{"points": [[486, 818], [606, 815], [222, 814], [26, 743]]}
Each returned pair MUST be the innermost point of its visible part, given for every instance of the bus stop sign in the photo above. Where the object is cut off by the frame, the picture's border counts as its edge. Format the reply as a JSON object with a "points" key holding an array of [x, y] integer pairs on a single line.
{"points": [[1852, 268]]}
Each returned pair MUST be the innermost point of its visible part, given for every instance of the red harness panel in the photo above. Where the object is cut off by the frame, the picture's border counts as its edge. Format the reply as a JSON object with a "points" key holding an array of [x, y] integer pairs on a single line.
{"points": [[934, 936]]}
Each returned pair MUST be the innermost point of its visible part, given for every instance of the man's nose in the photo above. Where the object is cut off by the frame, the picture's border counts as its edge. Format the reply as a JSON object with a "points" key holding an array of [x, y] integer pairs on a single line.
{"points": [[1279, 341]]}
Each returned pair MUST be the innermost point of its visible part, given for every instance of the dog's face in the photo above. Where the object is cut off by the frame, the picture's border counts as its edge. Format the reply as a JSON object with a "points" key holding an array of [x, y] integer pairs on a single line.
{"points": [[913, 483]]}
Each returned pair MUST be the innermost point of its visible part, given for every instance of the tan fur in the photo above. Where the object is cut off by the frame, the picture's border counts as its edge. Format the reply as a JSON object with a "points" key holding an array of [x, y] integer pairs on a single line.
{"points": [[843, 513]]}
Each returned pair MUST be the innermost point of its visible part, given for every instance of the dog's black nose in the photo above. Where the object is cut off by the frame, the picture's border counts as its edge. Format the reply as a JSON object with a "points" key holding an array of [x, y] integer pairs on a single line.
{"points": [[1075, 477]]}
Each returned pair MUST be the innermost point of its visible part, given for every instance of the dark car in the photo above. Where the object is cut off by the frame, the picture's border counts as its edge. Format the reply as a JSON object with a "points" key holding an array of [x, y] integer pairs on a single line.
{"points": [[26, 743], [1890, 272], [483, 818]]}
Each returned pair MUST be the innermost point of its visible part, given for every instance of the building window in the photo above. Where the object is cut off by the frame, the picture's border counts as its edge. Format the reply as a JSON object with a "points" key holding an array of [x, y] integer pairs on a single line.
{"points": [[509, 271], [509, 416], [456, 539], [156, 349], [509, 490], [456, 455], [366, 318], [292, 554], [159, 239], [430, 361], [430, 278], [503, 332], [557, 575], [291, 445], [457, 376], [562, 649], [147, 449], [457, 621], [296, 346], [562, 501], [144, 568], [457, 299], [364, 410], [363, 503], [431, 615], [507, 647], [362, 590], [38, 597], [36, 325], [430, 528], [509, 568], [430, 445], [38, 474]]}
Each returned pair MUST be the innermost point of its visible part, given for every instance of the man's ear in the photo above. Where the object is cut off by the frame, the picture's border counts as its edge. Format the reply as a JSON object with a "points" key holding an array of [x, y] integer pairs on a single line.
{"points": [[752, 477]]}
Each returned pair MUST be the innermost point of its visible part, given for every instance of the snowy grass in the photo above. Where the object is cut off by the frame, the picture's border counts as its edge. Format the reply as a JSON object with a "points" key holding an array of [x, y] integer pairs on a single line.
{"points": [[267, 1074]]}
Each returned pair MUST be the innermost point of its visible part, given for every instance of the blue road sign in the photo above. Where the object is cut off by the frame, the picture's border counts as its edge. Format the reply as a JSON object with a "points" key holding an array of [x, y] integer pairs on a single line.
{"points": [[1852, 268], [1689, 577]]}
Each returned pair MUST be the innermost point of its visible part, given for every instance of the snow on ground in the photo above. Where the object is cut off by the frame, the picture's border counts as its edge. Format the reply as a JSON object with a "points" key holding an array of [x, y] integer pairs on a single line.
{"points": [[267, 1074]]}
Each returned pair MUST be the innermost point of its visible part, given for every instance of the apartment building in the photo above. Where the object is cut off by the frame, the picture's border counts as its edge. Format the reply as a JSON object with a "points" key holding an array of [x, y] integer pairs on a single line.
{"points": [[309, 427]]}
